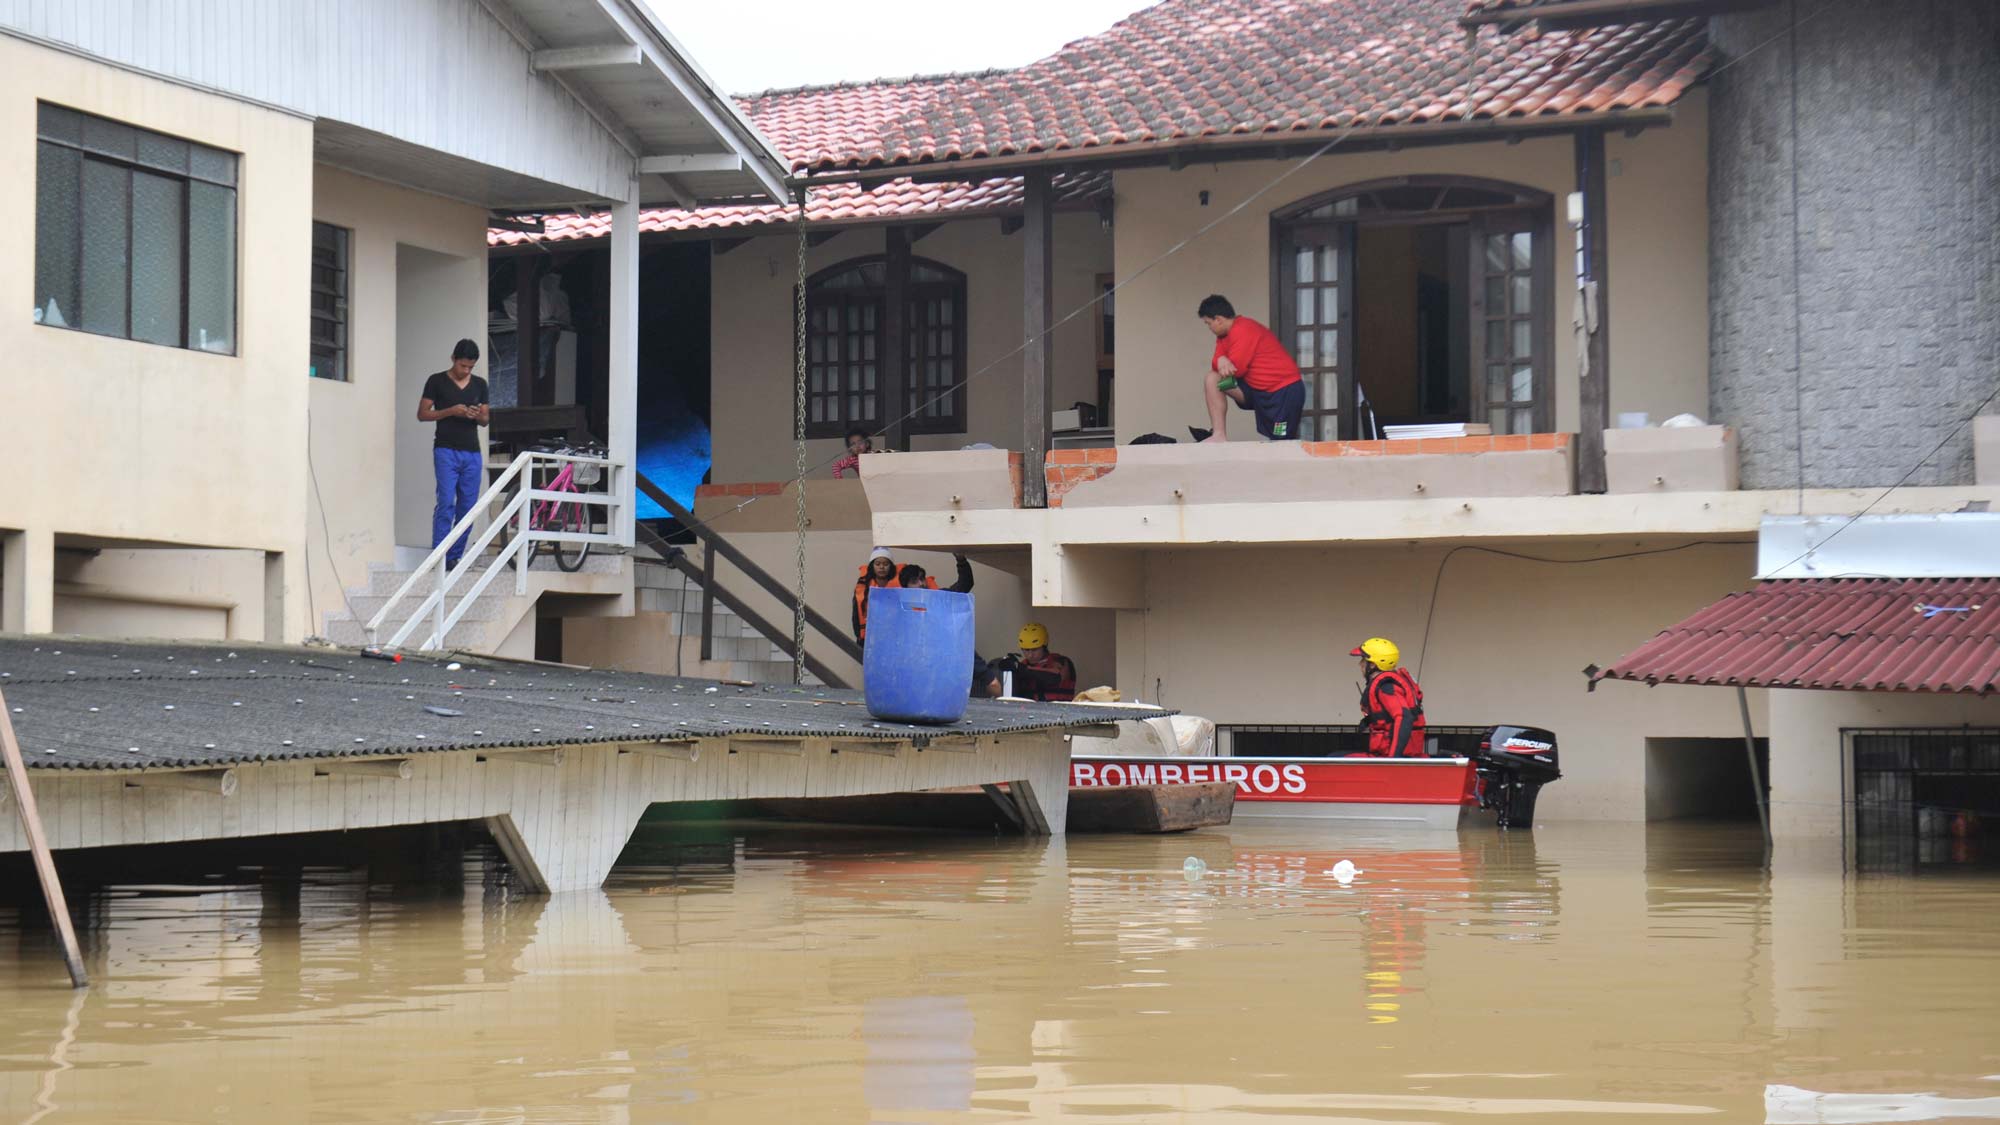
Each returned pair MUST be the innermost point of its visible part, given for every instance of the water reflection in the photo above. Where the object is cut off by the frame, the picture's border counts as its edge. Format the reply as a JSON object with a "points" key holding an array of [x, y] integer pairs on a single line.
{"points": [[732, 973]]}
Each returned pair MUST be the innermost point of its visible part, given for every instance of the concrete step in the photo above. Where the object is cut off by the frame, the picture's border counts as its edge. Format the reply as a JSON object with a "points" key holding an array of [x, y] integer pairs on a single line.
{"points": [[469, 635]]}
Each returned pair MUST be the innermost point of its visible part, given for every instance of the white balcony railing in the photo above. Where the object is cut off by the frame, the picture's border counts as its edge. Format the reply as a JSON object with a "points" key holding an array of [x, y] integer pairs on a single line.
{"points": [[529, 532]]}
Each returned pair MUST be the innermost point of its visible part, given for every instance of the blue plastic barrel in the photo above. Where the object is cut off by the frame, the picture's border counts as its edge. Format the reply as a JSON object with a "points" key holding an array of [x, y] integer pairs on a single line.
{"points": [[916, 666]]}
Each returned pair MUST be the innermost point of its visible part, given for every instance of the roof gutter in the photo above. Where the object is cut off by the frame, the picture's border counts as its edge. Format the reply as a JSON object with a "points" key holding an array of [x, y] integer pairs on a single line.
{"points": [[1251, 146]]}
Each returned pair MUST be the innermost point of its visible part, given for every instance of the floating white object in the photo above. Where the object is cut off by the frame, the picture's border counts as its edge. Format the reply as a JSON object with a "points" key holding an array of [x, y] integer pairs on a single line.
{"points": [[1192, 869], [1345, 871]]}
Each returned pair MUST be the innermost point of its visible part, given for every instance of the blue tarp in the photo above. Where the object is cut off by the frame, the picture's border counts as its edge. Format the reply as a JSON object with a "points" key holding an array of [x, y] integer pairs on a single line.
{"points": [[674, 449]]}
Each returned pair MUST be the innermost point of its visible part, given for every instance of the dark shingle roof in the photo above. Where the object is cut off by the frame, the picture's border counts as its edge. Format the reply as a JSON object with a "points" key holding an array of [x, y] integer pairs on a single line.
{"points": [[92, 704]]}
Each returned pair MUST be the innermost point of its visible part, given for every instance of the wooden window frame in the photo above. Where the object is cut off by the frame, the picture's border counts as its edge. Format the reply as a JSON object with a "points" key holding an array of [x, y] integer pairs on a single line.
{"points": [[340, 292], [187, 177], [951, 289], [1531, 208]]}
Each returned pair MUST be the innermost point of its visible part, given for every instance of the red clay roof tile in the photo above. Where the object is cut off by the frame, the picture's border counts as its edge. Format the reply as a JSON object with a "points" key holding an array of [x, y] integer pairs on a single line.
{"points": [[1857, 634]]}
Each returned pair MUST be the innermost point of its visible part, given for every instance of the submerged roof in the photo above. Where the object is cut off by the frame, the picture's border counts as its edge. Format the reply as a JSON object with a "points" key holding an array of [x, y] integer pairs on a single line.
{"points": [[123, 705], [1857, 634]]}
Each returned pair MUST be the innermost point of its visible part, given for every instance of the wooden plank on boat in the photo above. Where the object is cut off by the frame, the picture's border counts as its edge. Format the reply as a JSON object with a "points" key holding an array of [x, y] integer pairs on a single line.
{"points": [[1151, 808]]}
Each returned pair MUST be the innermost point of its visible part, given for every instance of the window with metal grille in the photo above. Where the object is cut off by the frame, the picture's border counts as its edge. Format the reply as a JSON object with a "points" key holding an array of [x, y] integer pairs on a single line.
{"points": [[135, 233], [1913, 784], [845, 358], [329, 302]]}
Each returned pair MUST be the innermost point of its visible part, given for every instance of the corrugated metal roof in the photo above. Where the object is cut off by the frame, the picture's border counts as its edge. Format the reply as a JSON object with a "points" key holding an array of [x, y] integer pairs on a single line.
{"points": [[88, 704], [1854, 634]]}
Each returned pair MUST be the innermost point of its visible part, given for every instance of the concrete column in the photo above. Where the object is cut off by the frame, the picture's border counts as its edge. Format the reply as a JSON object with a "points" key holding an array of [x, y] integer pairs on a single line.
{"points": [[623, 413], [1037, 316], [274, 597], [28, 581]]}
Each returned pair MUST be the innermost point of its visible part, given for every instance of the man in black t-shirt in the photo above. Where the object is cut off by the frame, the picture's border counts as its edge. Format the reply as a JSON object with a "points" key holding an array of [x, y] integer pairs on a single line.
{"points": [[456, 401]]}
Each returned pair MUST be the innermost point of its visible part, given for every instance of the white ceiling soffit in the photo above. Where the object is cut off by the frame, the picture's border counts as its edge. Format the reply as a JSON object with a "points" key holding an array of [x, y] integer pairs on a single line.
{"points": [[695, 146]]}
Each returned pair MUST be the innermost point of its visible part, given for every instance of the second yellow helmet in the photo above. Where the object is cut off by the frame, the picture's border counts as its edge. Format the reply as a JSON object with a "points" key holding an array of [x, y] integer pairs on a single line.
{"points": [[1034, 636]]}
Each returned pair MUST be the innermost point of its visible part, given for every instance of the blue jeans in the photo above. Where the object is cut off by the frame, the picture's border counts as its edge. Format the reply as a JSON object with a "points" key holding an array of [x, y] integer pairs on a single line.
{"points": [[458, 480]]}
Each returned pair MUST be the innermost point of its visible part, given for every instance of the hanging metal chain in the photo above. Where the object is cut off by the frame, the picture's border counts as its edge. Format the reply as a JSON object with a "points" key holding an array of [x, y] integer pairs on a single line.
{"points": [[799, 439]]}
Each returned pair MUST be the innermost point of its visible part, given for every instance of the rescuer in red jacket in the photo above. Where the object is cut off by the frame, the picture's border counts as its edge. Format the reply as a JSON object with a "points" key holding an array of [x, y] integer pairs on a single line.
{"points": [[1392, 705]]}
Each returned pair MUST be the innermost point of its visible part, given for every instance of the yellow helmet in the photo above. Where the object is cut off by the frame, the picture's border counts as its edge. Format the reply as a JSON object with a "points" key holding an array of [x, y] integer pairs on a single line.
{"points": [[1381, 652], [1034, 636]]}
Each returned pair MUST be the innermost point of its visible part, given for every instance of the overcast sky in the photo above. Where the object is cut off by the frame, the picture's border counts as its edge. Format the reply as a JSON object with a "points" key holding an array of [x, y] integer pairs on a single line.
{"points": [[751, 46]]}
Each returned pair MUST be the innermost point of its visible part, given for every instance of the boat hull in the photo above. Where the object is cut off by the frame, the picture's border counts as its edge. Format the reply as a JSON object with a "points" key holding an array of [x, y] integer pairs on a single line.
{"points": [[1409, 792]]}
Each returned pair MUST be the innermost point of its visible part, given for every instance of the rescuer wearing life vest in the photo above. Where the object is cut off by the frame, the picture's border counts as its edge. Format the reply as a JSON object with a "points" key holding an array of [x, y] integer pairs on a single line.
{"points": [[882, 569], [1392, 705], [1039, 674]]}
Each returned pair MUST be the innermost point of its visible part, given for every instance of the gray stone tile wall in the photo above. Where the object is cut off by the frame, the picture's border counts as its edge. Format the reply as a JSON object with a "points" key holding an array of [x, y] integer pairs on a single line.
{"points": [[1896, 291]]}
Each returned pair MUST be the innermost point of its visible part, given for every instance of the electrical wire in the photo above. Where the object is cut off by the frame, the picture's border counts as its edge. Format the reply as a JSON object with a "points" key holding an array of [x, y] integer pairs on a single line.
{"points": [[1905, 479], [326, 535], [1437, 581]]}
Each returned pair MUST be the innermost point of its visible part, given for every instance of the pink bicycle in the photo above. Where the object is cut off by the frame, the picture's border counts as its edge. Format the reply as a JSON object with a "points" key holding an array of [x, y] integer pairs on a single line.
{"points": [[567, 515]]}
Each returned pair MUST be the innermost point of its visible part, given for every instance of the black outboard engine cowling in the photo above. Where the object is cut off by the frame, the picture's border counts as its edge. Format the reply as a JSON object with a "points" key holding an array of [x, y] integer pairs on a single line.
{"points": [[1513, 763]]}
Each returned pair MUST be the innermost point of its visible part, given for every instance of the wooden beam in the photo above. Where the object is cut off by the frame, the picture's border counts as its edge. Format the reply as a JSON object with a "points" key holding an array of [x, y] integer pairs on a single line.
{"points": [[1037, 313], [553, 59], [681, 165], [38, 844], [518, 226], [920, 231], [787, 747], [1009, 224], [393, 769], [676, 751], [527, 329], [524, 757], [887, 748], [899, 390], [1594, 255], [220, 783], [720, 246], [821, 237]]}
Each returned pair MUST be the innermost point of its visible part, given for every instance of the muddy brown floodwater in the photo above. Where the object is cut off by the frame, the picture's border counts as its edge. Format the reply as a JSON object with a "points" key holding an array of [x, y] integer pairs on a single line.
{"points": [[1586, 973]]}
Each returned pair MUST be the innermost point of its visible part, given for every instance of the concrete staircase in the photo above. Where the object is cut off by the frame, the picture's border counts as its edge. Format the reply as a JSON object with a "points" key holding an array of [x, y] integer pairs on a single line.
{"points": [[739, 651], [490, 620]]}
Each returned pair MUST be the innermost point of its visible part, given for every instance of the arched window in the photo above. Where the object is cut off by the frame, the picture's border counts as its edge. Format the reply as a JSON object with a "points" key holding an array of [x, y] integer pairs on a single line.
{"points": [[846, 372], [1418, 300]]}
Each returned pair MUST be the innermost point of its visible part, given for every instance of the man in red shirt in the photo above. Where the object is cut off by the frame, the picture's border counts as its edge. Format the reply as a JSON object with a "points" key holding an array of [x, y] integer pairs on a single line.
{"points": [[1251, 369]]}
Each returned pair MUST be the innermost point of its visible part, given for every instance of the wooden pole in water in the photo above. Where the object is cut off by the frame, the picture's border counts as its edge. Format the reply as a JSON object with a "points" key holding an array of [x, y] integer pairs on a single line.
{"points": [[1756, 775], [45, 864]]}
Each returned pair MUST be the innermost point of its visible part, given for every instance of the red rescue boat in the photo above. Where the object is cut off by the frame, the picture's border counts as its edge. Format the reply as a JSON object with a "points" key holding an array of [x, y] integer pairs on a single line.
{"points": [[1503, 774]]}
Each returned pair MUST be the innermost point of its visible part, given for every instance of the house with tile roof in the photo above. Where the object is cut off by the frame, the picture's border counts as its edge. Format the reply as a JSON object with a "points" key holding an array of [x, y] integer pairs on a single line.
{"points": [[1543, 226], [247, 238]]}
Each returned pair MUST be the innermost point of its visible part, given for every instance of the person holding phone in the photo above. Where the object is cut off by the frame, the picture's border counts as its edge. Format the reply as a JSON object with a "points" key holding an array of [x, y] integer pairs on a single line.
{"points": [[456, 400]]}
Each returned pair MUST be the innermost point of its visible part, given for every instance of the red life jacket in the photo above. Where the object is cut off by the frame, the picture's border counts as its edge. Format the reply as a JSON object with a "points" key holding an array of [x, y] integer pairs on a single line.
{"points": [[861, 588], [1395, 718]]}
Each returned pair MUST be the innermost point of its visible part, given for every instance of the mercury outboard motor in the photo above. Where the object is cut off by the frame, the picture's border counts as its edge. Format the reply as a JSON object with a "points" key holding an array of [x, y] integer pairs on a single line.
{"points": [[1512, 764]]}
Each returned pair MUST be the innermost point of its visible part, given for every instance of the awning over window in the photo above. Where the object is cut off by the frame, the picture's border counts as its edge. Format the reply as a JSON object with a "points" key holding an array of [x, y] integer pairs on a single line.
{"points": [[1853, 634]]}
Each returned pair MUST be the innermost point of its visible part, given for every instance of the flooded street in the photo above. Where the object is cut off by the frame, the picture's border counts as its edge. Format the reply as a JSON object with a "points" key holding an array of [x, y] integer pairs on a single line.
{"points": [[1585, 973]]}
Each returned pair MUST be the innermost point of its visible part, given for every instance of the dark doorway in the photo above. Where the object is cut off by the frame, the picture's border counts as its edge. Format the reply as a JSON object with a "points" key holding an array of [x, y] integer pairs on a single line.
{"points": [[1418, 300], [1704, 779]]}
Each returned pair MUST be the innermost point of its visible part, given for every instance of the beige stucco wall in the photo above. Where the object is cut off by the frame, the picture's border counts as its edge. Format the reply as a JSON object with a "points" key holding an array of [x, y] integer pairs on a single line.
{"points": [[206, 595], [1659, 263], [371, 455], [751, 323], [1262, 635], [1808, 761], [125, 440]]}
